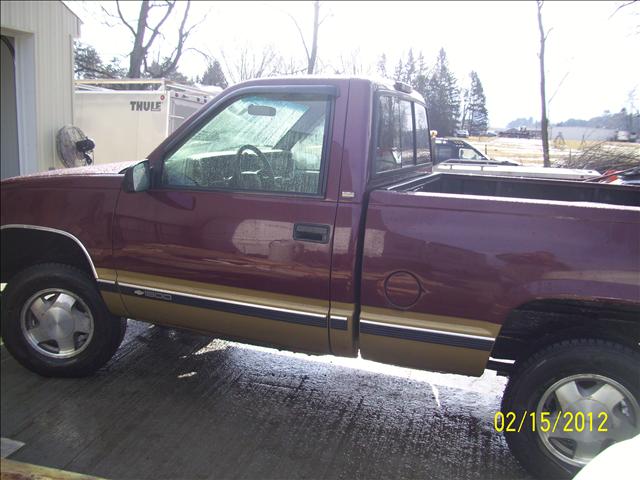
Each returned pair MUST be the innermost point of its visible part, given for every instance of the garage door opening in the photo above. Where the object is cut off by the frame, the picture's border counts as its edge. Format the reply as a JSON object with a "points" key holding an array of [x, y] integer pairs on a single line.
{"points": [[9, 154]]}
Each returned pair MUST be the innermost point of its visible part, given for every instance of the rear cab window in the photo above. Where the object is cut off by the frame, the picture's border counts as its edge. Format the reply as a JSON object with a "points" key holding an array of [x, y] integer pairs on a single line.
{"points": [[401, 135]]}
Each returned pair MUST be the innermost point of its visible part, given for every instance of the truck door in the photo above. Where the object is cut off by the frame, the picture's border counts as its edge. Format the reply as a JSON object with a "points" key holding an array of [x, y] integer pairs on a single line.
{"points": [[234, 236]]}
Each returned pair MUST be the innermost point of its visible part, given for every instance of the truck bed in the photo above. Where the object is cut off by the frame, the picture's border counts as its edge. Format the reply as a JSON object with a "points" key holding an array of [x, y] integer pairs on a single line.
{"points": [[557, 190], [458, 253]]}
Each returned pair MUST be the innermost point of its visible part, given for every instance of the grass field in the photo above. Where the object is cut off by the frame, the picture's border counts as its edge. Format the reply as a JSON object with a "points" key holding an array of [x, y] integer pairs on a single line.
{"points": [[529, 151]]}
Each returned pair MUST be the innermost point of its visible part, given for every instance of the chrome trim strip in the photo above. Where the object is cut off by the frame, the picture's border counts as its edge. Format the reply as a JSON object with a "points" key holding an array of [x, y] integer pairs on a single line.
{"points": [[224, 300], [428, 330], [502, 360], [107, 286], [339, 317], [61, 232]]}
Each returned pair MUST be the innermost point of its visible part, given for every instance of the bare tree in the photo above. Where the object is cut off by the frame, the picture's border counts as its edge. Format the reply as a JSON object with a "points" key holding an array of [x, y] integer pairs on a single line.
{"points": [[351, 64], [544, 121], [290, 66], [311, 53], [144, 36], [246, 63]]}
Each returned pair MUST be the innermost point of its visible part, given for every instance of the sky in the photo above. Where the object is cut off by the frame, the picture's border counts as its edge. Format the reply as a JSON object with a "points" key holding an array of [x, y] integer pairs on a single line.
{"points": [[591, 53]]}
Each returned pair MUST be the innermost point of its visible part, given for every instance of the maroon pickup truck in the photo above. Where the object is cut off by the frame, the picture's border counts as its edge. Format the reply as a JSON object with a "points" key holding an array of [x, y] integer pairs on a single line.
{"points": [[302, 213]]}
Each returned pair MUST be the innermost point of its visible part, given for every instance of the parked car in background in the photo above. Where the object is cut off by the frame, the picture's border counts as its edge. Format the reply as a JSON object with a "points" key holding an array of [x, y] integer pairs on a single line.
{"points": [[459, 156], [461, 133], [454, 149], [623, 136]]}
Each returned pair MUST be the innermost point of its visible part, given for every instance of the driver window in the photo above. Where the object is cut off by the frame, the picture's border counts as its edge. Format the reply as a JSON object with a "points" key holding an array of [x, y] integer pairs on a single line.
{"points": [[270, 143]]}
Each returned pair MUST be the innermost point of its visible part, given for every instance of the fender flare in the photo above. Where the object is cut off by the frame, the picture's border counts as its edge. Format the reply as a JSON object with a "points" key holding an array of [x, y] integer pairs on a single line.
{"points": [[59, 232]]}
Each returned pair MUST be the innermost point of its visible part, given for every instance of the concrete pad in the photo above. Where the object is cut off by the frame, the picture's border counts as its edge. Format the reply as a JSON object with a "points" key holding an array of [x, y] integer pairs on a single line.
{"points": [[173, 404]]}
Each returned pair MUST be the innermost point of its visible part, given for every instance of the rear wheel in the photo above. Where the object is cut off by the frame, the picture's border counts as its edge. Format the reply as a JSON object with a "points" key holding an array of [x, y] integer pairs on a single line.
{"points": [[55, 323], [583, 395]]}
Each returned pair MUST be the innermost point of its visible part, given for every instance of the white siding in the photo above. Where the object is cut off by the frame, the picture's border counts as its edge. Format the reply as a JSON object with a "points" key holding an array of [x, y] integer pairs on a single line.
{"points": [[589, 134], [52, 26]]}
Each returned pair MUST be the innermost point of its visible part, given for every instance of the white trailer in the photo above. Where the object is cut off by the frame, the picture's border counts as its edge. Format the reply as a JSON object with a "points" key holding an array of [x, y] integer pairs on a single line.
{"points": [[128, 124]]}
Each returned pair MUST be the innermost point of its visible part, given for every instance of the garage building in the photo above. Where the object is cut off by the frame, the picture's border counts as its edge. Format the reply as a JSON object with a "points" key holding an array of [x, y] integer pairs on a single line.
{"points": [[36, 83]]}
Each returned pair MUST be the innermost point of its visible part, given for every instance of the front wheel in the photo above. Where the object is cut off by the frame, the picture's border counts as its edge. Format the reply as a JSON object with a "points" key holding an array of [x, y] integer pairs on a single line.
{"points": [[575, 398], [55, 323]]}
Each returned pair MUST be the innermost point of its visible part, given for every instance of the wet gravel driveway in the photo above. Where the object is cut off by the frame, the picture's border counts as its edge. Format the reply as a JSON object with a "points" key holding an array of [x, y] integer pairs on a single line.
{"points": [[172, 404]]}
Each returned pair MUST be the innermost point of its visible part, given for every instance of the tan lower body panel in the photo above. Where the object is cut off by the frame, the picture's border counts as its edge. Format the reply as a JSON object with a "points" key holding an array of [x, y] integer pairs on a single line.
{"points": [[113, 300], [423, 356], [407, 318], [297, 337], [268, 299], [416, 340], [341, 334], [427, 342], [257, 316]]}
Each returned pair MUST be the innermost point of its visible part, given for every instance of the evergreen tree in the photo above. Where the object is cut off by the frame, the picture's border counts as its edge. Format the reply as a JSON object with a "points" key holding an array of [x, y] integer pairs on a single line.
{"points": [[157, 70], [422, 66], [443, 97], [421, 79], [214, 75], [382, 65], [476, 107], [409, 71], [398, 74], [88, 64]]}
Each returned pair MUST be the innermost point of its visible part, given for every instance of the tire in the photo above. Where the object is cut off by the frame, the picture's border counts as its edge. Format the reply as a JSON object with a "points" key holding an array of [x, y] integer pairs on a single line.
{"points": [[55, 323], [574, 374]]}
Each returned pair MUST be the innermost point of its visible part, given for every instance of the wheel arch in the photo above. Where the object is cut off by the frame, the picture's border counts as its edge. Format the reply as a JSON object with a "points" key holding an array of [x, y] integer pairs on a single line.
{"points": [[539, 323], [27, 245]]}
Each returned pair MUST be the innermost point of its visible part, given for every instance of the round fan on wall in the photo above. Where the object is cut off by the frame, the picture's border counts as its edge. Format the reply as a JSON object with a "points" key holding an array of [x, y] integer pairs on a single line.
{"points": [[74, 147]]}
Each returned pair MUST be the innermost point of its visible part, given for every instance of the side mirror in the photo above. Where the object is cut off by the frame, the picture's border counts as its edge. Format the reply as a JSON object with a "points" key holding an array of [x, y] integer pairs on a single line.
{"points": [[137, 178]]}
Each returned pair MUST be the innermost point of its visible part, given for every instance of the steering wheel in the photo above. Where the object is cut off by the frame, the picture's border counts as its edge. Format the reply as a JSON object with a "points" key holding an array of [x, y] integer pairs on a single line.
{"points": [[266, 166]]}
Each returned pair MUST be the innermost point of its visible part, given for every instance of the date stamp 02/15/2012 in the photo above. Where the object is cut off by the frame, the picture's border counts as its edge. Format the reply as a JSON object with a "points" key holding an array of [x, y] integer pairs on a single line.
{"points": [[550, 422]]}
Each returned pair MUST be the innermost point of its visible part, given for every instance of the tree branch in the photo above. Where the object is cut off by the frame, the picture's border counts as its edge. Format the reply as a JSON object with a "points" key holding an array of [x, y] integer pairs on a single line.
{"points": [[621, 6], [123, 19], [110, 15], [226, 64], [182, 37], [304, 43], [327, 16], [558, 87], [156, 29]]}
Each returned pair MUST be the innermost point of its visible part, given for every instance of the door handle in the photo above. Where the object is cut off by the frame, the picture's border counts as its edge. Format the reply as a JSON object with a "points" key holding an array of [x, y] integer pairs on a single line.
{"points": [[311, 232]]}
